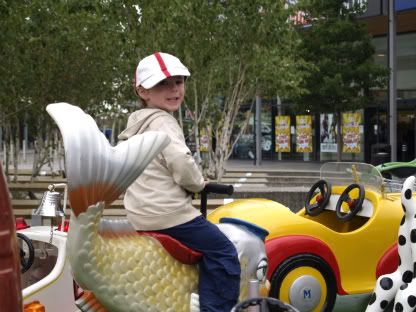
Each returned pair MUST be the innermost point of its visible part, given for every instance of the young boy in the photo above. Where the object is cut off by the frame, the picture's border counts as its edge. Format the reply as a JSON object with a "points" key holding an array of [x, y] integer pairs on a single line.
{"points": [[160, 199]]}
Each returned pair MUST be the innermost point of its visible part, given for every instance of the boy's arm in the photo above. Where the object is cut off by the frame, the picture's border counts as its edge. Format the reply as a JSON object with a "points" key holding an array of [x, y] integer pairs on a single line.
{"points": [[179, 160]]}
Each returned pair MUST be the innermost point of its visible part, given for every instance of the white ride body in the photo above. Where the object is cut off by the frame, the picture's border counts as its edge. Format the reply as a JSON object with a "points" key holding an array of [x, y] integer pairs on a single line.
{"points": [[54, 288]]}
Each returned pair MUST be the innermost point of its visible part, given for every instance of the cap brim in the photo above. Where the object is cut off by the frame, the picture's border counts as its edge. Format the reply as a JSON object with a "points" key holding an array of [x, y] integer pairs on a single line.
{"points": [[155, 79]]}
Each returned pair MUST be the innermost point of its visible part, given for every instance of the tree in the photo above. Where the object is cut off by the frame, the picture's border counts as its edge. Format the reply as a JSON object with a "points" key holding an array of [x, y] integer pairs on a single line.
{"points": [[84, 52], [52, 51], [340, 48], [235, 50]]}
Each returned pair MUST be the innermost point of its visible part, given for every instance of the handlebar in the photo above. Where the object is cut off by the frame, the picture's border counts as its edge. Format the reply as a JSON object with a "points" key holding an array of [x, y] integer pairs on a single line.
{"points": [[214, 188], [217, 188]]}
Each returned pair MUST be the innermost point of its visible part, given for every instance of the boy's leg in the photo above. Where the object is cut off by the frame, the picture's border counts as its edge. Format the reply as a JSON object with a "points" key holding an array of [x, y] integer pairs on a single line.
{"points": [[219, 269]]}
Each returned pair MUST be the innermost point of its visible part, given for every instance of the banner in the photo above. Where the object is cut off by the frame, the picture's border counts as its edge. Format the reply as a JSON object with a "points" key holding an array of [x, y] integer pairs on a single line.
{"points": [[351, 132], [203, 140], [282, 133], [303, 134], [328, 135]]}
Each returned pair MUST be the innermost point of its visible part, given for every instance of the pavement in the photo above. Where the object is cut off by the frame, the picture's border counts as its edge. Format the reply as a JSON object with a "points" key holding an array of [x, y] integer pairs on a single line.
{"points": [[26, 162], [272, 166]]}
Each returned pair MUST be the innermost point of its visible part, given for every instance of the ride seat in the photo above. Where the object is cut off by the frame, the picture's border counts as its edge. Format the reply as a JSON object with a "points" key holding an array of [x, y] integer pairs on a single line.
{"points": [[175, 248]]}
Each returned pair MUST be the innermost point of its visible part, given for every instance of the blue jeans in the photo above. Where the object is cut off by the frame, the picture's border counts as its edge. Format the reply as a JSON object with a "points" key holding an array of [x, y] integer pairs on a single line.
{"points": [[219, 269]]}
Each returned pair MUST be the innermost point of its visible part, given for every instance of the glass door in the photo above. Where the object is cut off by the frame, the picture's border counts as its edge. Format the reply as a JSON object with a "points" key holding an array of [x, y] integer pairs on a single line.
{"points": [[406, 129]]}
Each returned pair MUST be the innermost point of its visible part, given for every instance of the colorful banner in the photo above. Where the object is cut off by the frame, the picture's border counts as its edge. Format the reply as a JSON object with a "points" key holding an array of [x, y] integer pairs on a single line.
{"points": [[328, 135], [203, 140], [351, 132], [303, 134], [282, 133]]}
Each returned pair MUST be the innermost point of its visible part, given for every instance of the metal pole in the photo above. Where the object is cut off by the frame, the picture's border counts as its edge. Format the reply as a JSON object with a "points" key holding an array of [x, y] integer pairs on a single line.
{"points": [[258, 130], [392, 81], [204, 200], [253, 292], [279, 112]]}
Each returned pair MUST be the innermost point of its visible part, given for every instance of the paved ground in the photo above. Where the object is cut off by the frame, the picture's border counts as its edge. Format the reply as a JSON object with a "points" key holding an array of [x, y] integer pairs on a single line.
{"points": [[232, 164], [267, 165], [26, 162]]}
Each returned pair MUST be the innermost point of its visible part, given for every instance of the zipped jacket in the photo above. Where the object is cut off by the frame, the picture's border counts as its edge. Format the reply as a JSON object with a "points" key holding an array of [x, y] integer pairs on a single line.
{"points": [[161, 196]]}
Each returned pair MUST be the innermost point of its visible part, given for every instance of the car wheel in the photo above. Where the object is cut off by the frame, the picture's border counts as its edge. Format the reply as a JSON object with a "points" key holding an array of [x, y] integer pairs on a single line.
{"points": [[306, 282]]}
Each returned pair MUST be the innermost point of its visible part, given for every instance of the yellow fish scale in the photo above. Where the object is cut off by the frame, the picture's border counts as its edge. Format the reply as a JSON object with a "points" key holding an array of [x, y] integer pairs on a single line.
{"points": [[130, 272], [138, 267]]}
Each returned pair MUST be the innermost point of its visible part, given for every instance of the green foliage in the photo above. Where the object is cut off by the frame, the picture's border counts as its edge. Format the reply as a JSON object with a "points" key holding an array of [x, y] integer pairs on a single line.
{"points": [[84, 51], [234, 49], [73, 51], [219, 39], [340, 48], [76, 51]]}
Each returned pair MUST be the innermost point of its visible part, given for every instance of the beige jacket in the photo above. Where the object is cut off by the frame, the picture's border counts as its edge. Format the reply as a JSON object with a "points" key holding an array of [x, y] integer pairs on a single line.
{"points": [[160, 197]]}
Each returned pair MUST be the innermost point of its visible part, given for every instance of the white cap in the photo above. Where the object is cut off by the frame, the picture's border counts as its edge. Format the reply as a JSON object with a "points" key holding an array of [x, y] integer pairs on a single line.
{"points": [[157, 67]]}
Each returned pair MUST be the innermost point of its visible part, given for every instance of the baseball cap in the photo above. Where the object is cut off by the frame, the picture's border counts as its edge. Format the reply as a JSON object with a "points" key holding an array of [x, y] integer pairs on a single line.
{"points": [[157, 67]]}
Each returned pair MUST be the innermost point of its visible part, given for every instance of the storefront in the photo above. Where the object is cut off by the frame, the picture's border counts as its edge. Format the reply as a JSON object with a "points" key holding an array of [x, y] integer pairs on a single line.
{"points": [[290, 135], [287, 135], [376, 121]]}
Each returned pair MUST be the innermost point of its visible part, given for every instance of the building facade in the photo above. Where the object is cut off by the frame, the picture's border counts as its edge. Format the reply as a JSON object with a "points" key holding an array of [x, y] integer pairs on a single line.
{"points": [[365, 133]]}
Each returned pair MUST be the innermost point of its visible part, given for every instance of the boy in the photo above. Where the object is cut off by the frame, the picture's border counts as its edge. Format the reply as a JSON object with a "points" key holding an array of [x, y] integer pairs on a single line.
{"points": [[160, 199]]}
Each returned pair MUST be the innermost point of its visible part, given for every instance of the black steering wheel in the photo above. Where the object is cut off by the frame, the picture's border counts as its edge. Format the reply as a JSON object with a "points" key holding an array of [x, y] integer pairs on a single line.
{"points": [[266, 304], [322, 199], [354, 204], [26, 259]]}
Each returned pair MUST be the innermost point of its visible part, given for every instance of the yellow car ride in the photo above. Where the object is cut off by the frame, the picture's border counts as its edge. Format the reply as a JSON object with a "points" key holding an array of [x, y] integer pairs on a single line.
{"points": [[328, 255]]}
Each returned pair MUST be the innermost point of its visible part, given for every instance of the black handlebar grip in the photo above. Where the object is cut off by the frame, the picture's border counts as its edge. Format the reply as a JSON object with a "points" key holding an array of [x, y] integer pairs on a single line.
{"points": [[219, 188]]}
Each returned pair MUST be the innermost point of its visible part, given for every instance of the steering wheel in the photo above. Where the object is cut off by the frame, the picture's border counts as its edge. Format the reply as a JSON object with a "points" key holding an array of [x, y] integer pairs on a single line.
{"points": [[322, 199], [266, 304], [354, 204], [26, 259]]}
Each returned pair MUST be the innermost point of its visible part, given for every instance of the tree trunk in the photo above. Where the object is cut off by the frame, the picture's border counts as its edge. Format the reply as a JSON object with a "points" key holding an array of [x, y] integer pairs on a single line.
{"points": [[61, 157], [16, 151], [6, 153], [41, 151], [196, 120], [113, 130], [220, 167], [197, 155], [224, 146]]}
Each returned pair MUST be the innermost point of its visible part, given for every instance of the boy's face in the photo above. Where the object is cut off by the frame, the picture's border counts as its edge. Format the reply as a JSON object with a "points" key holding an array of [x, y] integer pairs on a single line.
{"points": [[167, 94]]}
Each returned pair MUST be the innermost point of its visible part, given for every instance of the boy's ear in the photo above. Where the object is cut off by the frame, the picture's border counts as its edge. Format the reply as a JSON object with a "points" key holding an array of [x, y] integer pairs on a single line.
{"points": [[142, 92], [136, 90]]}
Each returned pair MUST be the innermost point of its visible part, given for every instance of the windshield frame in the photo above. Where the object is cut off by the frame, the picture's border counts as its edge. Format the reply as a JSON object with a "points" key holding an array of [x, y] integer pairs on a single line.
{"points": [[346, 173]]}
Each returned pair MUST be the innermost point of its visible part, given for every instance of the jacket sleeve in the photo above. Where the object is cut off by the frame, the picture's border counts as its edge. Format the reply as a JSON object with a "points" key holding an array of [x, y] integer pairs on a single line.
{"points": [[178, 157]]}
